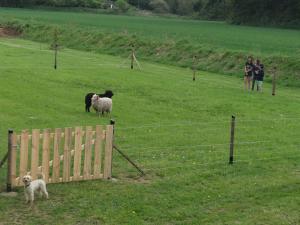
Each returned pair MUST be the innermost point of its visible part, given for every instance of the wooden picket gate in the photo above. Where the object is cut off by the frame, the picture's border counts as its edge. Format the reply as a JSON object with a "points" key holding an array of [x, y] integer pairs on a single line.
{"points": [[72, 155]]}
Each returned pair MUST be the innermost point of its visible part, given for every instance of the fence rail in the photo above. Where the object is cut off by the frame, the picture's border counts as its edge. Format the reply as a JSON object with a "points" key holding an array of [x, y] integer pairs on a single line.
{"points": [[72, 154]]}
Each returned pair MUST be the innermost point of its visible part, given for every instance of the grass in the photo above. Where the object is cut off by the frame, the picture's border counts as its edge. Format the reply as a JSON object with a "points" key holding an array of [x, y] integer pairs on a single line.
{"points": [[213, 34], [220, 47], [175, 129]]}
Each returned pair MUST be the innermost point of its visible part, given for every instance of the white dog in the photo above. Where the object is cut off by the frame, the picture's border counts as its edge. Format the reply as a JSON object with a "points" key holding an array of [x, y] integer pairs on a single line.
{"points": [[31, 187]]}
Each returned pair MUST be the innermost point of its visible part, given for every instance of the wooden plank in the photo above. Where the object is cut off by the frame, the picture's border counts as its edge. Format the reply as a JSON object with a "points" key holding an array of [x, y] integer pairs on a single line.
{"points": [[98, 152], [18, 182], [88, 154], [108, 152], [77, 155], [56, 156], [46, 154], [29, 136], [13, 163], [35, 153], [23, 155], [67, 155], [104, 134]]}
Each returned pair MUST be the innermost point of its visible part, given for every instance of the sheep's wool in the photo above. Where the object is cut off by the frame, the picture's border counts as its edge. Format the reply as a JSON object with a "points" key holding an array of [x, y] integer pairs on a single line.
{"points": [[101, 105]]}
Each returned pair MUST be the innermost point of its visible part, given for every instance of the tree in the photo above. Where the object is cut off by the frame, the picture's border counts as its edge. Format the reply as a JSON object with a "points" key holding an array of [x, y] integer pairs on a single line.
{"points": [[122, 5], [173, 5], [141, 4], [159, 6], [185, 7], [273, 12], [212, 9]]}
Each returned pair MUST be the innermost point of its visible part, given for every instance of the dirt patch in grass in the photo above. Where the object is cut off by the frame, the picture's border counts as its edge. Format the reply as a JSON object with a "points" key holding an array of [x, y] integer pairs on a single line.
{"points": [[8, 32], [9, 194], [134, 179]]}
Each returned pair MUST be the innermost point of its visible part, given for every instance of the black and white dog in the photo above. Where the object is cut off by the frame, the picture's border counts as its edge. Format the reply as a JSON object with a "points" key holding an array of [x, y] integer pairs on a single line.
{"points": [[88, 98]]}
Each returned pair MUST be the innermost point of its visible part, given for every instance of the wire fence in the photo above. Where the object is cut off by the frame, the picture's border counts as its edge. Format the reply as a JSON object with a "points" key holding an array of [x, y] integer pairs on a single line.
{"points": [[167, 156]]}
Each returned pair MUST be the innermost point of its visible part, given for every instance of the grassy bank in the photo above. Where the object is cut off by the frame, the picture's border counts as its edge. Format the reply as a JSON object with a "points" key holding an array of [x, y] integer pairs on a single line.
{"points": [[220, 47]]}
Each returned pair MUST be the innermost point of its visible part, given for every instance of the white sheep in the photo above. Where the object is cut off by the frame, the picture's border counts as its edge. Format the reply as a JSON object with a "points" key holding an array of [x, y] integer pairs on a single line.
{"points": [[101, 105]]}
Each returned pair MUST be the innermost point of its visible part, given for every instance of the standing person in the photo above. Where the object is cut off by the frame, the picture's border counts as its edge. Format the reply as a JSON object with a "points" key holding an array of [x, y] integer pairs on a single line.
{"points": [[249, 66], [259, 74], [254, 77]]}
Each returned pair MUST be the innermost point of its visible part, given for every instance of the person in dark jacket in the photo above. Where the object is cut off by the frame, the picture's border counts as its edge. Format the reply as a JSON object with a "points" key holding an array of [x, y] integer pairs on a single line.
{"points": [[248, 73], [259, 74]]}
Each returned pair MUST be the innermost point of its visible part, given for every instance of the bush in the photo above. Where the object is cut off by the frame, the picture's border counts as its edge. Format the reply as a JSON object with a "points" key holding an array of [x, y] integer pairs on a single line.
{"points": [[159, 6], [93, 3], [122, 5]]}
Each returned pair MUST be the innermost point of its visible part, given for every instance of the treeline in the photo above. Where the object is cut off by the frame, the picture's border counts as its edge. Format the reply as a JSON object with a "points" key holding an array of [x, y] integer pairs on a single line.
{"points": [[58, 3], [255, 12], [266, 12]]}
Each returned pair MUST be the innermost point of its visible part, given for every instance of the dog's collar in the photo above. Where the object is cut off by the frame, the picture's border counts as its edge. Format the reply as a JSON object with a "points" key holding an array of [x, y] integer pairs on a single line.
{"points": [[27, 185]]}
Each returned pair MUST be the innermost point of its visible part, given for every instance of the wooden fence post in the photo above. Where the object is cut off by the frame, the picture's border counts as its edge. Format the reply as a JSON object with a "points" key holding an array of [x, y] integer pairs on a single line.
{"points": [[132, 57], [232, 140], [55, 57], [194, 68], [274, 81], [10, 162], [112, 122], [55, 45]]}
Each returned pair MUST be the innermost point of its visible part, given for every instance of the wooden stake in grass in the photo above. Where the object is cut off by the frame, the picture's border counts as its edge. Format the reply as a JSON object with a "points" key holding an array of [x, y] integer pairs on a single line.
{"points": [[112, 122], [232, 140], [132, 57], [55, 46], [10, 161], [194, 68], [274, 81]]}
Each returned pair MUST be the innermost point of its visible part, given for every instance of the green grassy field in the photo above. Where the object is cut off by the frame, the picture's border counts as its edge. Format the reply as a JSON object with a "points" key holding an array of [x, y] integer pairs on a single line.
{"points": [[220, 47], [213, 34], [175, 129]]}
